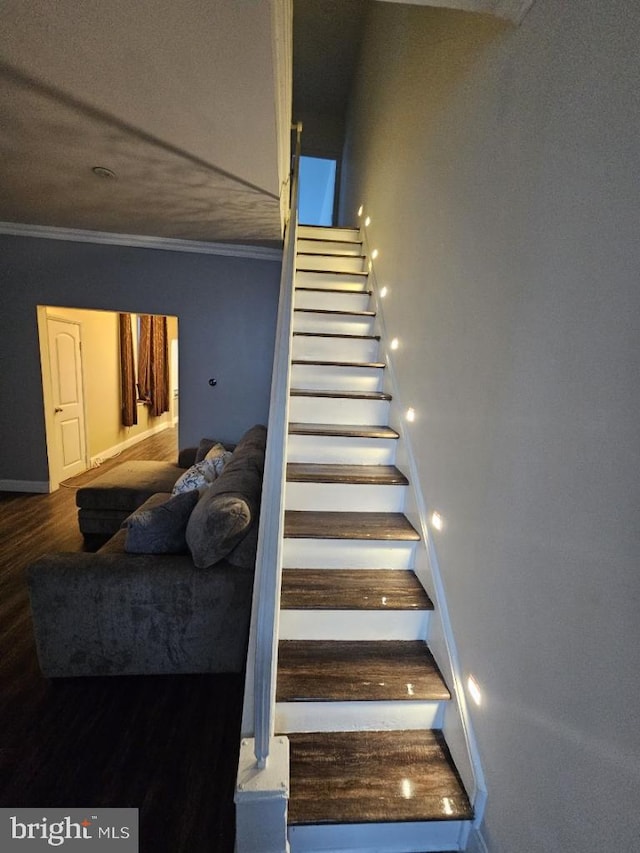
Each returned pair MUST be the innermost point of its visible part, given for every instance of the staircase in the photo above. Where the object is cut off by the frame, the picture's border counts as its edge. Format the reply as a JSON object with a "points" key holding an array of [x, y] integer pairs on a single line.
{"points": [[358, 694]]}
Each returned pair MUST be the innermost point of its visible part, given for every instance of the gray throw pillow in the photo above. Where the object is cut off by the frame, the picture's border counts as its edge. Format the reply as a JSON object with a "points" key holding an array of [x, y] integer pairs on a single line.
{"points": [[161, 529], [216, 525]]}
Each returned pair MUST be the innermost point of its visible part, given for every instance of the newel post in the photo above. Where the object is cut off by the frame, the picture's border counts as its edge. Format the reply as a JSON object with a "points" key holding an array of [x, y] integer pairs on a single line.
{"points": [[261, 799]]}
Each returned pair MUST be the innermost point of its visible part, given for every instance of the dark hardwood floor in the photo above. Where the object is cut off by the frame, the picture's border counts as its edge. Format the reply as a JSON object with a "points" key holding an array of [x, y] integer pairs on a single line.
{"points": [[167, 745]]}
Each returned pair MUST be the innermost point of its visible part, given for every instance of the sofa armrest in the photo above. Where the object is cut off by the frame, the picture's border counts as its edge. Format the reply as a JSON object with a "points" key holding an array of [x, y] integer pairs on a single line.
{"points": [[127, 614]]}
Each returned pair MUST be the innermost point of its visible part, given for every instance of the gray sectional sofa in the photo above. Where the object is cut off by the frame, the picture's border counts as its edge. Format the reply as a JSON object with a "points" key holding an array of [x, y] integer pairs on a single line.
{"points": [[186, 609]]}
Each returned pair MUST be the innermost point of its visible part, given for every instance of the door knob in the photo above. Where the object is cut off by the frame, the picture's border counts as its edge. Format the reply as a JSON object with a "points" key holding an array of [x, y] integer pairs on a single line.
{"points": [[57, 409]]}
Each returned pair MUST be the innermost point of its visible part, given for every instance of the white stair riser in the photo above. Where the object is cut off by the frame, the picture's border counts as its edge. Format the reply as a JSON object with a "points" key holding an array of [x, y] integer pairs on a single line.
{"points": [[329, 262], [328, 300], [347, 554], [328, 247], [340, 378], [357, 716], [334, 349], [332, 324], [342, 281], [427, 837], [344, 497], [353, 625], [318, 232], [338, 410], [343, 450]]}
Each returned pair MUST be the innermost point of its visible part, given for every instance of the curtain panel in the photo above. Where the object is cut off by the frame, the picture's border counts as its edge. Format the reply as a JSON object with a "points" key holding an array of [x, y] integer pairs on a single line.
{"points": [[153, 363], [128, 395]]}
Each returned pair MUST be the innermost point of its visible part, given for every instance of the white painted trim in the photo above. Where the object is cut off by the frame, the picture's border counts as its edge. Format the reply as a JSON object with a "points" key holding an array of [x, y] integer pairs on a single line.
{"points": [[347, 553], [261, 799], [354, 624], [345, 497], [110, 452], [260, 685], [39, 487], [476, 843], [350, 716], [138, 241], [479, 795], [401, 837], [43, 319]]}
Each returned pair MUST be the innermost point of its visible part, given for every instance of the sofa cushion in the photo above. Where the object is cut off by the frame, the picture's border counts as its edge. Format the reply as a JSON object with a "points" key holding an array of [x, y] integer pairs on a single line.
{"points": [[229, 506], [205, 446], [254, 437], [159, 526], [128, 485]]}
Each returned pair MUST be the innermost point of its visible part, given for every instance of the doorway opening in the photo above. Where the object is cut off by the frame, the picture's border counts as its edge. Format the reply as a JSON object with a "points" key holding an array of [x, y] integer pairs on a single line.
{"points": [[317, 192], [81, 364]]}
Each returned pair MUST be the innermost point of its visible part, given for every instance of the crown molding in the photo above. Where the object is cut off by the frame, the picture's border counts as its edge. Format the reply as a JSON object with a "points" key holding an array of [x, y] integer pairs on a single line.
{"points": [[168, 244]]}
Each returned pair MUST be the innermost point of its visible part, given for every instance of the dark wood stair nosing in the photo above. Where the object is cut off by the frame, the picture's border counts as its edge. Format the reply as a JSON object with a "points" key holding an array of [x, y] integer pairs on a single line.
{"points": [[341, 336], [334, 272], [353, 589], [342, 430], [326, 239], [360, 526], [372, 396], [333, 313], [334, 290], [345, 474], [372, 365], [374, 767], [328, 255], [358, 671]]}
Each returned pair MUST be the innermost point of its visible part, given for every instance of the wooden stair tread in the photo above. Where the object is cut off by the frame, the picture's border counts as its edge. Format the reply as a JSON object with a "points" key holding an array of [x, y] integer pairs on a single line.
{"points": [[345, 431], [376, 776], [327, 254], [352, 589], [343, 395], [327, 335], [374, 526], [378, 365], [374, 475], [358, 671], [328, 238], [332, 272], [333, 313], [334, 290], [302, 226]]}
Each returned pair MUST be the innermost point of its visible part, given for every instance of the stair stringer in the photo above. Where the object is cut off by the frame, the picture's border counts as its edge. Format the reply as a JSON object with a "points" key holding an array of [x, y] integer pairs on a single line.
{"points": [[457, 727]]}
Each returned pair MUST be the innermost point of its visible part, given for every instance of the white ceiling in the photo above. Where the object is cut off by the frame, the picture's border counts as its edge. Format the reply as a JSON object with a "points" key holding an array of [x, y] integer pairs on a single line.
{"points": [[178, 97]]}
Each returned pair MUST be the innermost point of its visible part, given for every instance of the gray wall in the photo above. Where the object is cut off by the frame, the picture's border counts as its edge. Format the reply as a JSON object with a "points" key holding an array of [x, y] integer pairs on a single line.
{"points": [[226, 309], [500, 167]]}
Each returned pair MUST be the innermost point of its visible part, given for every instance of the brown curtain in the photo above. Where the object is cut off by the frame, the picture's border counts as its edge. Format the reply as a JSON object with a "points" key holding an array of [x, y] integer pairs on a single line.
{"points": [[127, 372], [153, 363]]}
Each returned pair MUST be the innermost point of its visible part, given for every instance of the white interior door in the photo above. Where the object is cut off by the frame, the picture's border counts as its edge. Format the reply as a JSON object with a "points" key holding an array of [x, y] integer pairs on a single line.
{"points": [[69, 454]]}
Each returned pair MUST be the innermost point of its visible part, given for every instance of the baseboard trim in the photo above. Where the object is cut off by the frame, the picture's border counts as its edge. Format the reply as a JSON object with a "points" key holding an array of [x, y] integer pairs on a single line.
{"points": [[476, 843], [110, 452], [37, 487], [138, 241]]}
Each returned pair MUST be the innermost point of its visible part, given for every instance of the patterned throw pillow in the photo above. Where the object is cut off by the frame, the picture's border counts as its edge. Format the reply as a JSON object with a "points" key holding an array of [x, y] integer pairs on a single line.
{"points": [[220, 455], [203, 473]]}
